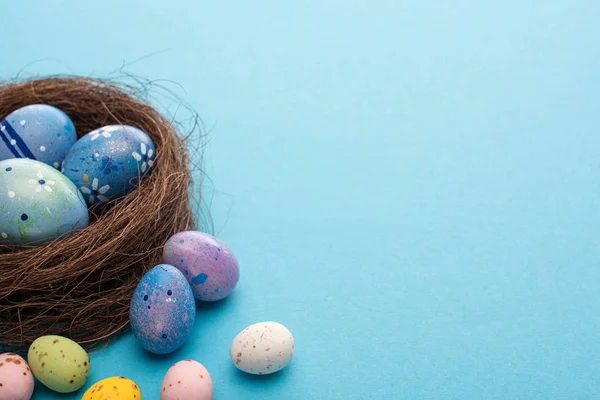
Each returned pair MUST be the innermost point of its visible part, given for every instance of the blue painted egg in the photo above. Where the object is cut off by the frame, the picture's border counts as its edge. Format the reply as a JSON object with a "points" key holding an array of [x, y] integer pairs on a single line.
{"points": [[37, 203], [163, 310], [109, 162], [38, 132]]}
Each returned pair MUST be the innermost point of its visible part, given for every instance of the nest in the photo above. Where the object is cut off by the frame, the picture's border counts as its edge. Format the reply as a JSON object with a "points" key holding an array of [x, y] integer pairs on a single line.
{"points": [[81, 287]]}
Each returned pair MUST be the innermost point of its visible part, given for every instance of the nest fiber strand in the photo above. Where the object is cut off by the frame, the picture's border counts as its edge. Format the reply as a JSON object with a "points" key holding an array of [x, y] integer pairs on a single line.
{"points": [[81, 287]]}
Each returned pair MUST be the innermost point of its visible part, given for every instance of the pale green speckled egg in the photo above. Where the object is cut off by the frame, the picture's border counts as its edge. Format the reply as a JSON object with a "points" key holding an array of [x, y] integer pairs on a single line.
{"points": [[59, 363], [37, 203]]}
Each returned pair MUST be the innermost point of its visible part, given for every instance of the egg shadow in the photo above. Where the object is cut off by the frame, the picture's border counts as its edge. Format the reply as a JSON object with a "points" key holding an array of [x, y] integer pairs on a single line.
{"points": [[208, 312], [41, 391], [147, 357], [212, 305], [251, 378]]}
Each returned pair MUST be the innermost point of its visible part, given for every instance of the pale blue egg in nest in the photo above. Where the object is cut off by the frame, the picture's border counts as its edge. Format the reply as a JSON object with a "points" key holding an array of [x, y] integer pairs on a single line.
{"points": [[38, 132]]}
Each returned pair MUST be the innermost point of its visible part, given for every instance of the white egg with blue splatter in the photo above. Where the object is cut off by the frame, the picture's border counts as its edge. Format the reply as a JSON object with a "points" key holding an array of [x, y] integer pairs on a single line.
{"points": [[37, 203], [109, 162], [38, 132]]}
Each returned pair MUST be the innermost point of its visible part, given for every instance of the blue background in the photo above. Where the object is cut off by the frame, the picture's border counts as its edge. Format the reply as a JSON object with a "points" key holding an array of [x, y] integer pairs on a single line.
{"points": [[411, 186]]}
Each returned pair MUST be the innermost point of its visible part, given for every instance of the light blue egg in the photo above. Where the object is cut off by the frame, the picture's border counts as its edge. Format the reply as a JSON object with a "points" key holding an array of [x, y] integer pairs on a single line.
{"points": [[163, 310], [38, 132], [37, 203], [109, 162]]}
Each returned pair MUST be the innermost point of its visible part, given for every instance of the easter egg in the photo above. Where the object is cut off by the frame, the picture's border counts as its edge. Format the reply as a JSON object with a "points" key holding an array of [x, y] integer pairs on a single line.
{"points": [[163, 310], [59, 363], [262, 348], [187, 380], [38, 132], [16, 379], [117, 387], [209, 266], [37, 203], [109, 162]]}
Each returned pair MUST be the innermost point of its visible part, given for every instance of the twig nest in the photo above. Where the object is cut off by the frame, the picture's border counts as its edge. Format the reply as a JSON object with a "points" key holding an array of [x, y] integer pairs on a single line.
{"points": [[81, 286]]}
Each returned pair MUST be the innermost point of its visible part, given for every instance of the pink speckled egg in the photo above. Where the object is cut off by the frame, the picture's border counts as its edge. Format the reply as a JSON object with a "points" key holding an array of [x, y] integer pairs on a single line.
{"points": [[16, 379], [187, 380], [209, 266]]}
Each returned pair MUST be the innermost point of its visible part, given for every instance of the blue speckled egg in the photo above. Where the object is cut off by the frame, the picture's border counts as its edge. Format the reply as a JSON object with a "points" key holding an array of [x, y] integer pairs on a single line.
{"points": [[109, 162], [38, 132], [37, 203], [163, 310]]}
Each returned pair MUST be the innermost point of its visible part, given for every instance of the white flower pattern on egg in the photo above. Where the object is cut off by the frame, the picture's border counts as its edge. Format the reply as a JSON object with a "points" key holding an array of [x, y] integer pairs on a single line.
{"points": [[95, 193], [145, 156], [39, 203], [104, 132], [101, 132], [119, 162], [42, 183]]}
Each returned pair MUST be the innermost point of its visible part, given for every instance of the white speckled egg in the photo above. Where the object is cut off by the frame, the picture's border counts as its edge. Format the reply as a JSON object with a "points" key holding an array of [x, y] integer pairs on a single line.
{"points": [[16, 379], [187, 380], [262, 348]]}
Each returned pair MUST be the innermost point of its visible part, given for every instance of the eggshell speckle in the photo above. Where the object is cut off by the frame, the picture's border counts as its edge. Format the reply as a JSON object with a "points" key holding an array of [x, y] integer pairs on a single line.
{"points": [[38, 132], [59, 363], [187, 380], [262, 348], [117, 387], [209, 266], [16, 379], [163, 310]]}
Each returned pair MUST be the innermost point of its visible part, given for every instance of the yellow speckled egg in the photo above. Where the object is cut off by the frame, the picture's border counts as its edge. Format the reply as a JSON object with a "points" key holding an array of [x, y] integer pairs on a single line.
{"points": [[117, 387], [59, 363]]}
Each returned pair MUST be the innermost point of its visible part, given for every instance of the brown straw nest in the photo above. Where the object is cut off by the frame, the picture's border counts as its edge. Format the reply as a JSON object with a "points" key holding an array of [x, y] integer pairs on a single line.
{"points": [[81, 287]]}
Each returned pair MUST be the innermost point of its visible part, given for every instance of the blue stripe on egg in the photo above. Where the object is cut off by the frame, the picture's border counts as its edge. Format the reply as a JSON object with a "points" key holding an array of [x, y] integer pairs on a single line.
{"points": [[6, 141], [19, 141]]}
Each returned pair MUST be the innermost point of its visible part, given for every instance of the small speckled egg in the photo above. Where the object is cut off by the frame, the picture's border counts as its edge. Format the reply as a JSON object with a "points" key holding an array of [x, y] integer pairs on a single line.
{"points": [[109, 162], [163, 310], [117, 387], [59, 363], [262, 348], [209, 266], [16, 379], [187, 380], [37, 203], [38, 132]]}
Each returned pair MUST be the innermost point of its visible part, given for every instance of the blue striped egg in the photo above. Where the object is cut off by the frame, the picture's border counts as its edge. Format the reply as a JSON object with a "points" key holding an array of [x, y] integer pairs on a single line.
{"points": [[38, 132], [109, 162], [37, 203], [163, 310]]}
